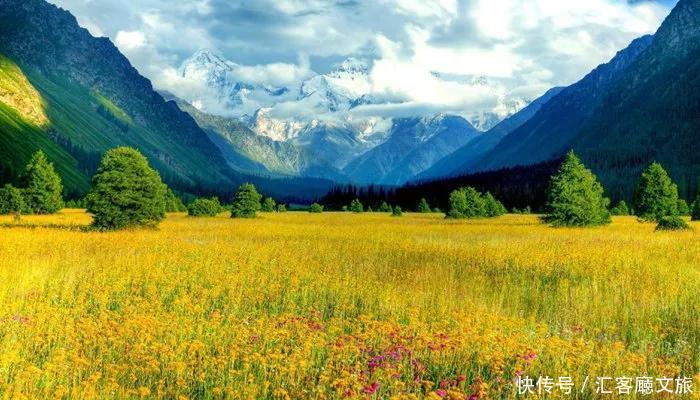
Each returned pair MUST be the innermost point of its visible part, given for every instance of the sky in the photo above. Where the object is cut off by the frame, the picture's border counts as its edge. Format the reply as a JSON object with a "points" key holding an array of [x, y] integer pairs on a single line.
{"points": [[421, 52]]}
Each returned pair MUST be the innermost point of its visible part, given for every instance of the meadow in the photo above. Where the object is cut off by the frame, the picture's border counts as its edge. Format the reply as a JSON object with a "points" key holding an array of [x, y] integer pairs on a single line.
{"points": [[340, 305]]}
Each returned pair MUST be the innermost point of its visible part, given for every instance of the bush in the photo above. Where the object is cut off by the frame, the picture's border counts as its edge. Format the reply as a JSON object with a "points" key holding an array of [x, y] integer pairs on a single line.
{"points": [[281, 208], [672, 223], [620, 209], [576, 196], [356, 206], [173, 203], [268, 205], [683, 208], [42, 186], [126, 191], [316, 208], [656, 195], [246, 202], [205, 208], [466, 203], [423, 206], [11, 200], [493, 207], [396, 212], [384, 207]]}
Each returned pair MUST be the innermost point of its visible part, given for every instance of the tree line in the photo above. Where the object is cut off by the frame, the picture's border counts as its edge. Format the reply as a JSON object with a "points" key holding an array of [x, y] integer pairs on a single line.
{"points": [[127, 191]]}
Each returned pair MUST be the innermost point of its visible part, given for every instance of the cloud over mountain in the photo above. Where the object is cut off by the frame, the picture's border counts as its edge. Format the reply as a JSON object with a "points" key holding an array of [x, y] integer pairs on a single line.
{"points": [[423, 54]]}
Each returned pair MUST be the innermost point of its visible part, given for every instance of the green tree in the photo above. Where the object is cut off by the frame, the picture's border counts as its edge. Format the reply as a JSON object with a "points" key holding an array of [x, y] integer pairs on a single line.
{"points": [[42, 186], [466, 203], [672, 223], [173, 203], [281, 208], [396, 212], [316, 208], [620, 209], [268, 205], [575, 196], [384, 207], [656, 195], [205, 207], [126, 191], [493, 207], [423, 206], [11, 200], [246, 202], [683, 208], [695, 212], [356, 206]]}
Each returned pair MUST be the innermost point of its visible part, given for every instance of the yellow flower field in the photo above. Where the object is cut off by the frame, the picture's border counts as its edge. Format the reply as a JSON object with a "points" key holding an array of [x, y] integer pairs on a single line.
{"points": [[339, 305]]}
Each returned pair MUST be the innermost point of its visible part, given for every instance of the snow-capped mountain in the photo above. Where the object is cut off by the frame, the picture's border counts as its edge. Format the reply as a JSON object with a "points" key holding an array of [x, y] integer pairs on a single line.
{"points": [[324, 114]]}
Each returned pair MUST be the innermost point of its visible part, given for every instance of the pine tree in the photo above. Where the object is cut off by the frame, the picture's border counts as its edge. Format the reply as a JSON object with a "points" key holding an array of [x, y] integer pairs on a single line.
{"points": [[656, 195], [575, 196], [11, 200], [493, 207], [268, 205], [423, 206], [466, 203], [42, 186], [246, 202], [396, 212], [316, 208], [620, 209], [683, 208], [356, 206], [384, 207], [126, 191]]}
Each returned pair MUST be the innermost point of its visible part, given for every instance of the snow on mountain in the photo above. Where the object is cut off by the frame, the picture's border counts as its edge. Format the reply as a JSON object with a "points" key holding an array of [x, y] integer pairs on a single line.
{"points": [[319, 112]]}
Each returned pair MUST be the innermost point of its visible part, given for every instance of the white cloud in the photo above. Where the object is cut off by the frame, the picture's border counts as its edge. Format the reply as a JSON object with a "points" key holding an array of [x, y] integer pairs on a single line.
{"points": [[424, 52], [128, 41]]}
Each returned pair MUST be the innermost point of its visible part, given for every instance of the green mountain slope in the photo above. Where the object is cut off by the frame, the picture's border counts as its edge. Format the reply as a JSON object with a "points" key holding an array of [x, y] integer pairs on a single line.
{"points": [[93, 100], [653, 112]]}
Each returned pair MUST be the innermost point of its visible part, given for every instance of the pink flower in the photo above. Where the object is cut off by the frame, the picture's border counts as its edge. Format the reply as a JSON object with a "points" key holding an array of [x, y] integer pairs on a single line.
{"points": [[371, 389], [441, 393]]}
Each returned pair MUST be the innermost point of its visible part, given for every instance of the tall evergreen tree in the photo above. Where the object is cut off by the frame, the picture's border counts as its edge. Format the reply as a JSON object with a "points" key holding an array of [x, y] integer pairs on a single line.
{"points": [[656, 195], [423, 206], [11, 200], [246, 202], [42, 186], [575, 196], [126, 191]]}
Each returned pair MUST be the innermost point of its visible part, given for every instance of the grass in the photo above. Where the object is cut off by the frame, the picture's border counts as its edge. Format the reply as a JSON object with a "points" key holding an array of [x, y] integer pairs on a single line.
{"points": [[339, 305]]}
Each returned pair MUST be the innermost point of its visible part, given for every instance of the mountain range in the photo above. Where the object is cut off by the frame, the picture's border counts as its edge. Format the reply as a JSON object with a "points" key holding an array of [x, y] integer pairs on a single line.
{"points": [[329, 138], [75, 96]]}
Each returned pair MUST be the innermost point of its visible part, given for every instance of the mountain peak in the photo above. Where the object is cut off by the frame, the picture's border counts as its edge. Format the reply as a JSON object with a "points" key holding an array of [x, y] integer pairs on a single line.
{"points": [[353, 65]]}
